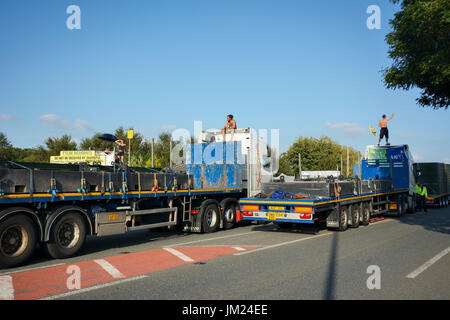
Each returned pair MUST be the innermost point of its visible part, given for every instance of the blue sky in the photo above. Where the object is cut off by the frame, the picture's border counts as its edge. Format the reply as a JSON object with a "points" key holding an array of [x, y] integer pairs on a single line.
{"points": [[308, 68]]}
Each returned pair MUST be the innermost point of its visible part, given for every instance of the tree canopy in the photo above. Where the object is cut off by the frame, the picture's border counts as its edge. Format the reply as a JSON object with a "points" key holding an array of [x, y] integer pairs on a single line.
{"points": [[419, 46], [316, 154]]}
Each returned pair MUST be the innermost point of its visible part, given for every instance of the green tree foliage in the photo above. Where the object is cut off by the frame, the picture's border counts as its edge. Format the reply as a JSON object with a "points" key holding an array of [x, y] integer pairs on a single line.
{"points": [[56, 145], [316, 154], [419, 46], [4, 142]]}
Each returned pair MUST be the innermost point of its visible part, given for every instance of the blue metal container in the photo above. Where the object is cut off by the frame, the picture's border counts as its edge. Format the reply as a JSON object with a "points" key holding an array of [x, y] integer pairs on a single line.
{"points": [[215, 165], [389, 163]]}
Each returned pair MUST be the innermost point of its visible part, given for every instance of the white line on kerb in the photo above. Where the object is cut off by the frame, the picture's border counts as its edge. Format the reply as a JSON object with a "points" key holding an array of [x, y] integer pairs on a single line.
{"points": [[6, 288], [428, 264], [180, 255], [282, 244], [100, 286], [31, 269], [239, 248], [116, 274]]}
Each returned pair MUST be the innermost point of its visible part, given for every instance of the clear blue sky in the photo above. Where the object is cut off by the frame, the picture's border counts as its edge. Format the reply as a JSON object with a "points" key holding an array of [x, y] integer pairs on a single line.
{"points": [[308, 68]]}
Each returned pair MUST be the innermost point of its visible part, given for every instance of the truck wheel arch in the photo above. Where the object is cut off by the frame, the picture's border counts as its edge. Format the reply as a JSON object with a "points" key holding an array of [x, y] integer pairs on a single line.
{"points": [[28, 212], [58, 212]]}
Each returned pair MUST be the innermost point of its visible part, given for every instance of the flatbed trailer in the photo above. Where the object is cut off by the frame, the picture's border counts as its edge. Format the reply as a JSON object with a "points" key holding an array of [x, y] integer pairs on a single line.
{"points": [[384, 185], [337, 212], [57, 209]]}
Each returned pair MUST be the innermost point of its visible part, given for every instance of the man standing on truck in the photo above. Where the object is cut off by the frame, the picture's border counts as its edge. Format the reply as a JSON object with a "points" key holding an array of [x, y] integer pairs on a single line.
{"points": [[230, 127], [384, 132]]}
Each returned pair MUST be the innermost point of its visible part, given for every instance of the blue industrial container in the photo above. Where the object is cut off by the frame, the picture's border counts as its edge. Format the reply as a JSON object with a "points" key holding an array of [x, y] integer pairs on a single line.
{"points": [[215, 165], [389, 163]]}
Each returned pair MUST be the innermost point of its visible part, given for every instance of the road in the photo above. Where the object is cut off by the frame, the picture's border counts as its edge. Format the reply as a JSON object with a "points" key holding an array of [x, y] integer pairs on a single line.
{"points": [[411, 253]]}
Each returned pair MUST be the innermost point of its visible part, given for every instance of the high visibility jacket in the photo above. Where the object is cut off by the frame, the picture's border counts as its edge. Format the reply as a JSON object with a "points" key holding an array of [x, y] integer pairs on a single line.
{"points": [[424, 192], [418, 191]]}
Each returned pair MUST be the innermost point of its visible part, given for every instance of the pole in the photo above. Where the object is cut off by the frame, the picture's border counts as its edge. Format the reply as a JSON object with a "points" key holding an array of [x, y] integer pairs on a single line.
{"points": [[129, 151], [348, 160], [153, 154], [342, 163], [300, 165], [170, 152]]}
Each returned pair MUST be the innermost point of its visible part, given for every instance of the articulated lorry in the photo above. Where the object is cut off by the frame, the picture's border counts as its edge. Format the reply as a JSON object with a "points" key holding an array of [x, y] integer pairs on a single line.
{"points": [[57, 206], [384, 185]]}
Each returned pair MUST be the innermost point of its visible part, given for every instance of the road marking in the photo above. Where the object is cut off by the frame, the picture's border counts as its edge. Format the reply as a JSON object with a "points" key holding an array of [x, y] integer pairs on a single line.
{"points": [[239, 248], [428, 264], [116, 274], [30, 269], [180, 255], [6, 288], [210, 239], [282, 244], [100, 286]]}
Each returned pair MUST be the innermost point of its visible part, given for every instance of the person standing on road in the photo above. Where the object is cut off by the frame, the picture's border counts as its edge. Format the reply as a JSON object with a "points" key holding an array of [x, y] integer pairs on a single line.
{"points": [[422, 194], [384, 132]]}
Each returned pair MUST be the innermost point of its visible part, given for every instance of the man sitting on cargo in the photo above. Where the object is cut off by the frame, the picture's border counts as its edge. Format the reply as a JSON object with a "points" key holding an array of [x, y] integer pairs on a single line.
{"points": [[230, 127], [384, 132]]}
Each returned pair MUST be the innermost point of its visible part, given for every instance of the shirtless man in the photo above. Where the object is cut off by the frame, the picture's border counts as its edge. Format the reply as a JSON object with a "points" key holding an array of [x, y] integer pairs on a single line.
{"points": [[384, 132], [230, 126]]}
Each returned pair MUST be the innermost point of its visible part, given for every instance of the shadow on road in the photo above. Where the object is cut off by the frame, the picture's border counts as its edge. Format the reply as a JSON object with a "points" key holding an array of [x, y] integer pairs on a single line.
{"points": [[296, 228], [436, 220]]}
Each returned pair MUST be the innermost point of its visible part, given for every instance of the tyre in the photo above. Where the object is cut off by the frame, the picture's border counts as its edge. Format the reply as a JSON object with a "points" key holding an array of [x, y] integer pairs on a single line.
{"points": [[67, 236], [210, 218], [18, 238], [343, 218], [355, 215], [229, 215], [365, 214]]}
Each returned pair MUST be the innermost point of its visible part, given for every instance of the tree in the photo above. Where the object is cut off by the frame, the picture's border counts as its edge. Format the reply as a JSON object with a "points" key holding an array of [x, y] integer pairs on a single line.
{"points": [[317, 154], [4, 142], [420, 48], [56, 145]]}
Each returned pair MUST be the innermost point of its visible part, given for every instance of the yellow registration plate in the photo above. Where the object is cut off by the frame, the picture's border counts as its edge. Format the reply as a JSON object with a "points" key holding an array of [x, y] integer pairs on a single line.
{"points": [[274, 216], [275, 208]]}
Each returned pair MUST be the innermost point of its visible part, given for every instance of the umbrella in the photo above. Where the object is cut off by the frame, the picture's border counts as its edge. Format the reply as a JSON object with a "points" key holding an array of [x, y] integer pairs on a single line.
{"points": [[108, 137]]}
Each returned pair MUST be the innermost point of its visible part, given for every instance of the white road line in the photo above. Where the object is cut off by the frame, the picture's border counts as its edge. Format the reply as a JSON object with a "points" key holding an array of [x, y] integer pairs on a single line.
{"points": [[31, 269], [116, 274], [239, 248], [6, 288], [100, 286], [282, 244], [179, 254], [211, 239], [428, 264]]}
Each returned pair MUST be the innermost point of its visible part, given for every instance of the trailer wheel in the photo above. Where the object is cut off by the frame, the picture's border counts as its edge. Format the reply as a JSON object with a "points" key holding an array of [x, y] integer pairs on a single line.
{"points": [[18, 238], [67, 236], [343, 218], [355, 215], [210, 218], [229, 216], [365, 216]]}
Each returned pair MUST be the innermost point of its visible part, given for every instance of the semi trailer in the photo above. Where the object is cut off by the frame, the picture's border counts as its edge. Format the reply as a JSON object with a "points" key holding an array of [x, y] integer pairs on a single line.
{"points": [[436, 177], [384, 185], [56, 206]]}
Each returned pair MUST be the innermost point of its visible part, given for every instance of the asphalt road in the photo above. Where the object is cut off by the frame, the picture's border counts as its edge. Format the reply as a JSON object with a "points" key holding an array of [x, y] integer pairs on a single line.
{"points": [[412, 254]]}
